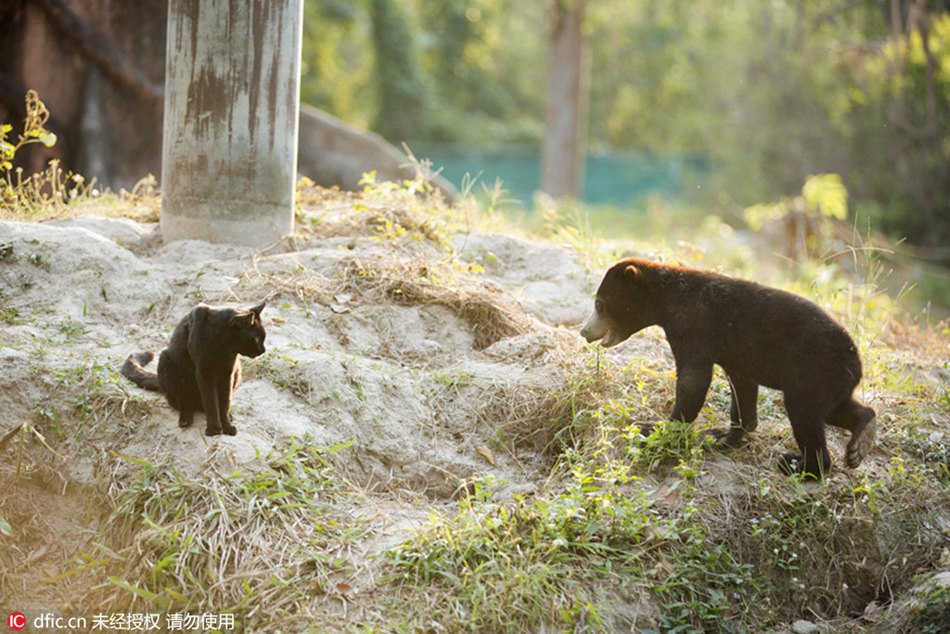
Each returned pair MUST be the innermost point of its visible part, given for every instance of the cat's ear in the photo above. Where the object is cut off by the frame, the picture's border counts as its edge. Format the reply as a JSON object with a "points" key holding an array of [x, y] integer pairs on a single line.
{"points": [[258, 309]]}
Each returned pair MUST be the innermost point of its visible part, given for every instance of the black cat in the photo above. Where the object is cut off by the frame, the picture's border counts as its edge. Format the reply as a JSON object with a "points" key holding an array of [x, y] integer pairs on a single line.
{"points": [[200, 369]]}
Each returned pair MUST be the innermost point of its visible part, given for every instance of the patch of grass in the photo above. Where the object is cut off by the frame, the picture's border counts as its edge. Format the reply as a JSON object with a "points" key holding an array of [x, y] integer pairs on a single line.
{"points": [[86, 398], [500, 567], [259, 544], [701, 585], [283, 372], [622, 413], [406, 213], [72, 329], [8, 314], [930, 610], [490, 313], [551, 559]]}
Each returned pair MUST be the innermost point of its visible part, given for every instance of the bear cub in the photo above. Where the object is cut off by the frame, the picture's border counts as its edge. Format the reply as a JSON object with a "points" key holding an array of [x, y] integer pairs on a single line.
{"points": [[758, 336], [200, 368]]}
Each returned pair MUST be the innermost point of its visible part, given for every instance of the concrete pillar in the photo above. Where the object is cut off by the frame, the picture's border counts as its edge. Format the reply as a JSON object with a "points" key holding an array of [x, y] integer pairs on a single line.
{"points": [[232, 92]]}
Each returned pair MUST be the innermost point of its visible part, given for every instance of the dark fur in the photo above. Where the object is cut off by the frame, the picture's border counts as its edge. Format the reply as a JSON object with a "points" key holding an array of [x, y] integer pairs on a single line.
{"points": [[759, 336], [200, 368]]}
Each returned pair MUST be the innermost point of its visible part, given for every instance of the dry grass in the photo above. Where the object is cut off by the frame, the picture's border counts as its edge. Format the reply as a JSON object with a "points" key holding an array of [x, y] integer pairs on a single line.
{"points": [[266, 545], [491, 314]]}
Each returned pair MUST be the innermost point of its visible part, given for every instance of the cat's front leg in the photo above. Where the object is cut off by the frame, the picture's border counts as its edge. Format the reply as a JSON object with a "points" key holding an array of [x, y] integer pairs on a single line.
{"points": [[225, 389], [210, 402]]}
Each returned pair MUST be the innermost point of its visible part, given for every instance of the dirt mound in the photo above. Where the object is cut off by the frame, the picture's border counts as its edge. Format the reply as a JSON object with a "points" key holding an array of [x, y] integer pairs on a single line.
{"points": [[429, 372], [365, 345], [411, 367]]}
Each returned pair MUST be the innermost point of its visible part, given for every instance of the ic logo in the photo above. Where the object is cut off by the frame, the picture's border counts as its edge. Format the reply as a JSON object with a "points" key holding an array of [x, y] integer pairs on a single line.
{"points": [[16, 620]]}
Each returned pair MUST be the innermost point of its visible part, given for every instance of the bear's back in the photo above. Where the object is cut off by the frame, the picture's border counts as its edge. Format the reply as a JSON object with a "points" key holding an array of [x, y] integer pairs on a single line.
{"points": [[771, 336]]}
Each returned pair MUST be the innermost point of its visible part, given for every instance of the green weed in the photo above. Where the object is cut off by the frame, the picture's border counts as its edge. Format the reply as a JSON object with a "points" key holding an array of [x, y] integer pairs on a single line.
{"points": [[700, 583], [8, 314]]}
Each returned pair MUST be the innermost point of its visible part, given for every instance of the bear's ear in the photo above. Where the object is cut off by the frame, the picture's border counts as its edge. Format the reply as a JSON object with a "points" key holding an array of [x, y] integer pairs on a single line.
{"points": [[632, 273], [258, 309]]}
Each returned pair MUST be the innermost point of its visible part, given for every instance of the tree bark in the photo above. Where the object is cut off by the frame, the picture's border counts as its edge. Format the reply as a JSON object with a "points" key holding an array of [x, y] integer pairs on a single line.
{"points": [[563, 151]]}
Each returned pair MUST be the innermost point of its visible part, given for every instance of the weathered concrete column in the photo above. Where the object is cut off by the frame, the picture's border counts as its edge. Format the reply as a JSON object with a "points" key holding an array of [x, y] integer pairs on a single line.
{"points": [[232, 92]]}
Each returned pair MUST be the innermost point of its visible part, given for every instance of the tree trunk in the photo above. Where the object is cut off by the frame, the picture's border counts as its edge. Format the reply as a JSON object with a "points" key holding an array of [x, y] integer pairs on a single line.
{"points": [[232, 86], [563, 151]]}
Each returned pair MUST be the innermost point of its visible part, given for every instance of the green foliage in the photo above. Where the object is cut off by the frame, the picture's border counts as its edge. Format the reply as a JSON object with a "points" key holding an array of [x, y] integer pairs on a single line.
{"points": [[707, 588], [337, 61], [508, 567], [402, 89], [767, 94], [901, 131], [826, 194], [930, 611], [33, 132], [823, 196]]}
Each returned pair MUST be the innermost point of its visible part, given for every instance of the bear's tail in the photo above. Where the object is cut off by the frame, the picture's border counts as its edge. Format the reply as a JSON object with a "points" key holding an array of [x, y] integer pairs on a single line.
{"points": [[134, 370]]}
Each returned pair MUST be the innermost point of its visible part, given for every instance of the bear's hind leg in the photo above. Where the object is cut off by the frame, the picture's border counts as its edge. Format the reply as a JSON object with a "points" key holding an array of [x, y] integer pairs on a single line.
{"points": [[809, 429], [860, 421], [743, 412]]}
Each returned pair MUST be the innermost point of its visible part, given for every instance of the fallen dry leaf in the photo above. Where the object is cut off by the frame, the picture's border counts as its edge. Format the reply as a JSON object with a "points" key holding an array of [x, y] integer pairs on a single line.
{"points": [[487, 454]]}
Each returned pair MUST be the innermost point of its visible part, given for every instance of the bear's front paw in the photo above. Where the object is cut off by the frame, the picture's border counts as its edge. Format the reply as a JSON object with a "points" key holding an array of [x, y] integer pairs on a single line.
{"points": [[861, 441], [230, 430], [728, 438], [646, 429]]}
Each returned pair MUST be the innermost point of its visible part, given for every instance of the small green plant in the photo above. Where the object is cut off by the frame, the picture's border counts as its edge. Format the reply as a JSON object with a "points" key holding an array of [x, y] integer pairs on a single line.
{"points": [[33, 132], [73, 329], [453, 379], [823, 195], [398, 210], [929, 614], [8, 314], [670, 442], [47, 192]]}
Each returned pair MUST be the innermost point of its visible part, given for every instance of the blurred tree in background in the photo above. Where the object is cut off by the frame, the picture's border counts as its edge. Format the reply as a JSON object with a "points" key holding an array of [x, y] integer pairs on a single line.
{"points": [[402, 89], [338, 61], [767, 92]]}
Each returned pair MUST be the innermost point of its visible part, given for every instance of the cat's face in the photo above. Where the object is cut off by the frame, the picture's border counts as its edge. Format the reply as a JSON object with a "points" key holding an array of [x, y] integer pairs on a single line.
{"points": [[248, 331]]}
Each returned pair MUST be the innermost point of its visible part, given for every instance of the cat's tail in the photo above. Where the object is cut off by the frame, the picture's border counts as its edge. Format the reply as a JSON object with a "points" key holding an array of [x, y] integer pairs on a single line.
{"points": [[134, 370]]}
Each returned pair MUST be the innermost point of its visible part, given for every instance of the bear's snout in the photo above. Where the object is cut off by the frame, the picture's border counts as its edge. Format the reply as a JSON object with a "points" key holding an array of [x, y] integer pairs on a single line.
{"points": [[594, 328]]}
